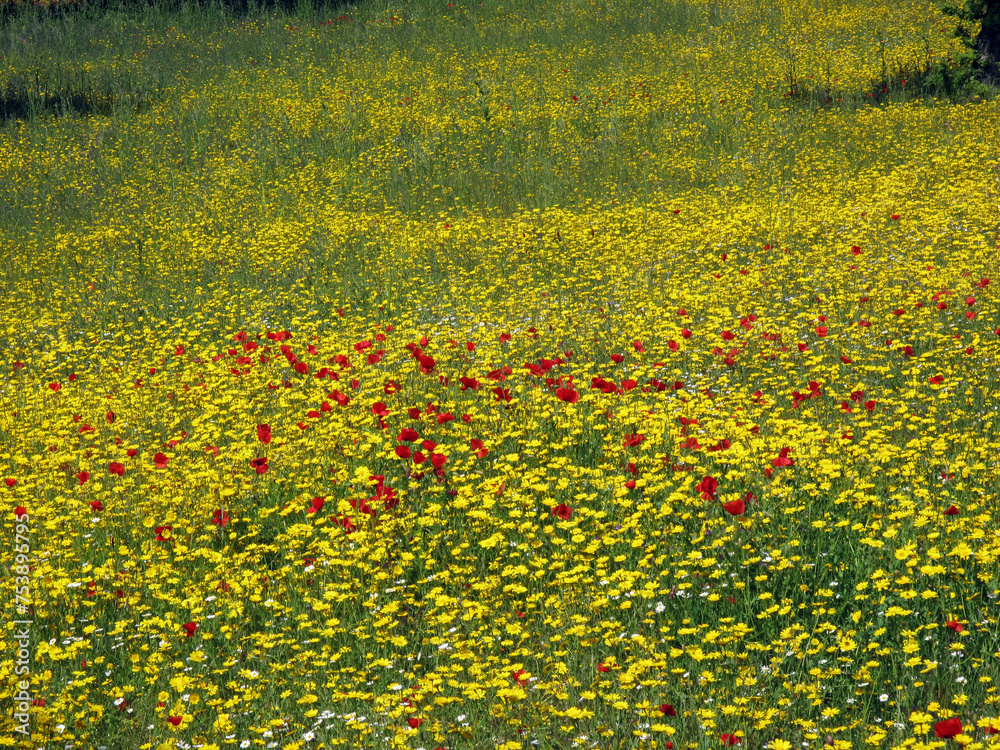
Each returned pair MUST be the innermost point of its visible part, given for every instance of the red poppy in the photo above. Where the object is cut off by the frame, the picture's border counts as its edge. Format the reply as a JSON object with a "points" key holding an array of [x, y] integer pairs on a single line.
{"points": [[10, 481], [379, 409], [96, 505], [220, 518], [948, 728], [189, 628], [631, 441], [667, 710], [855, 250], [438, 460], [952, 511], [569, 395], [502, 394], [607, 386], [264, 433], [935, 380], [131, 453], [175, 720], [894, 217], [160, 461], [414, 723], [602, 667], [403, 451], [260, 465], [821, 331], [55, 387], [116, 468], [707, 487], [163, 533], [955, 625], [735, 507], [517, 677], [469, 384], [20, 511], [783, 459], [83, 476], [729, 739], [562, 511], [315, 505]]}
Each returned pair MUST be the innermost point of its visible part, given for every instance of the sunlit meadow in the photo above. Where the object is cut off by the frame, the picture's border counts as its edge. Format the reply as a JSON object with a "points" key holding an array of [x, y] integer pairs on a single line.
{"points": [[499, 375]]}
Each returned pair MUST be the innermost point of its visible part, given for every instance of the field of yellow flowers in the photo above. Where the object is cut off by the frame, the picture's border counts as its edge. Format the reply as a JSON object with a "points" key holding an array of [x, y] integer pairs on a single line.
{"points": [[467, 375]]}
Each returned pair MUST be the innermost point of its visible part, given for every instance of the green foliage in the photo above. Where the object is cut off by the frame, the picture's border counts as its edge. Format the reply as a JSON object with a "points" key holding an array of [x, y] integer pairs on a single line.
{"points": [[977, 71]]}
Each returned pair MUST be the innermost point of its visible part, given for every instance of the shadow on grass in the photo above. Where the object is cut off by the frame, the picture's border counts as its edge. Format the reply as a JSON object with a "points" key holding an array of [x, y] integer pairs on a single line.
{"points": [[87, 57], [970, 77], [230, 8], [22, 103]]}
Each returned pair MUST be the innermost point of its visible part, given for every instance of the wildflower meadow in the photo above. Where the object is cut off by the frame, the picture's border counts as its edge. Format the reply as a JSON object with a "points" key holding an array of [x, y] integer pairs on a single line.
{"points": [[465, 375]]}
